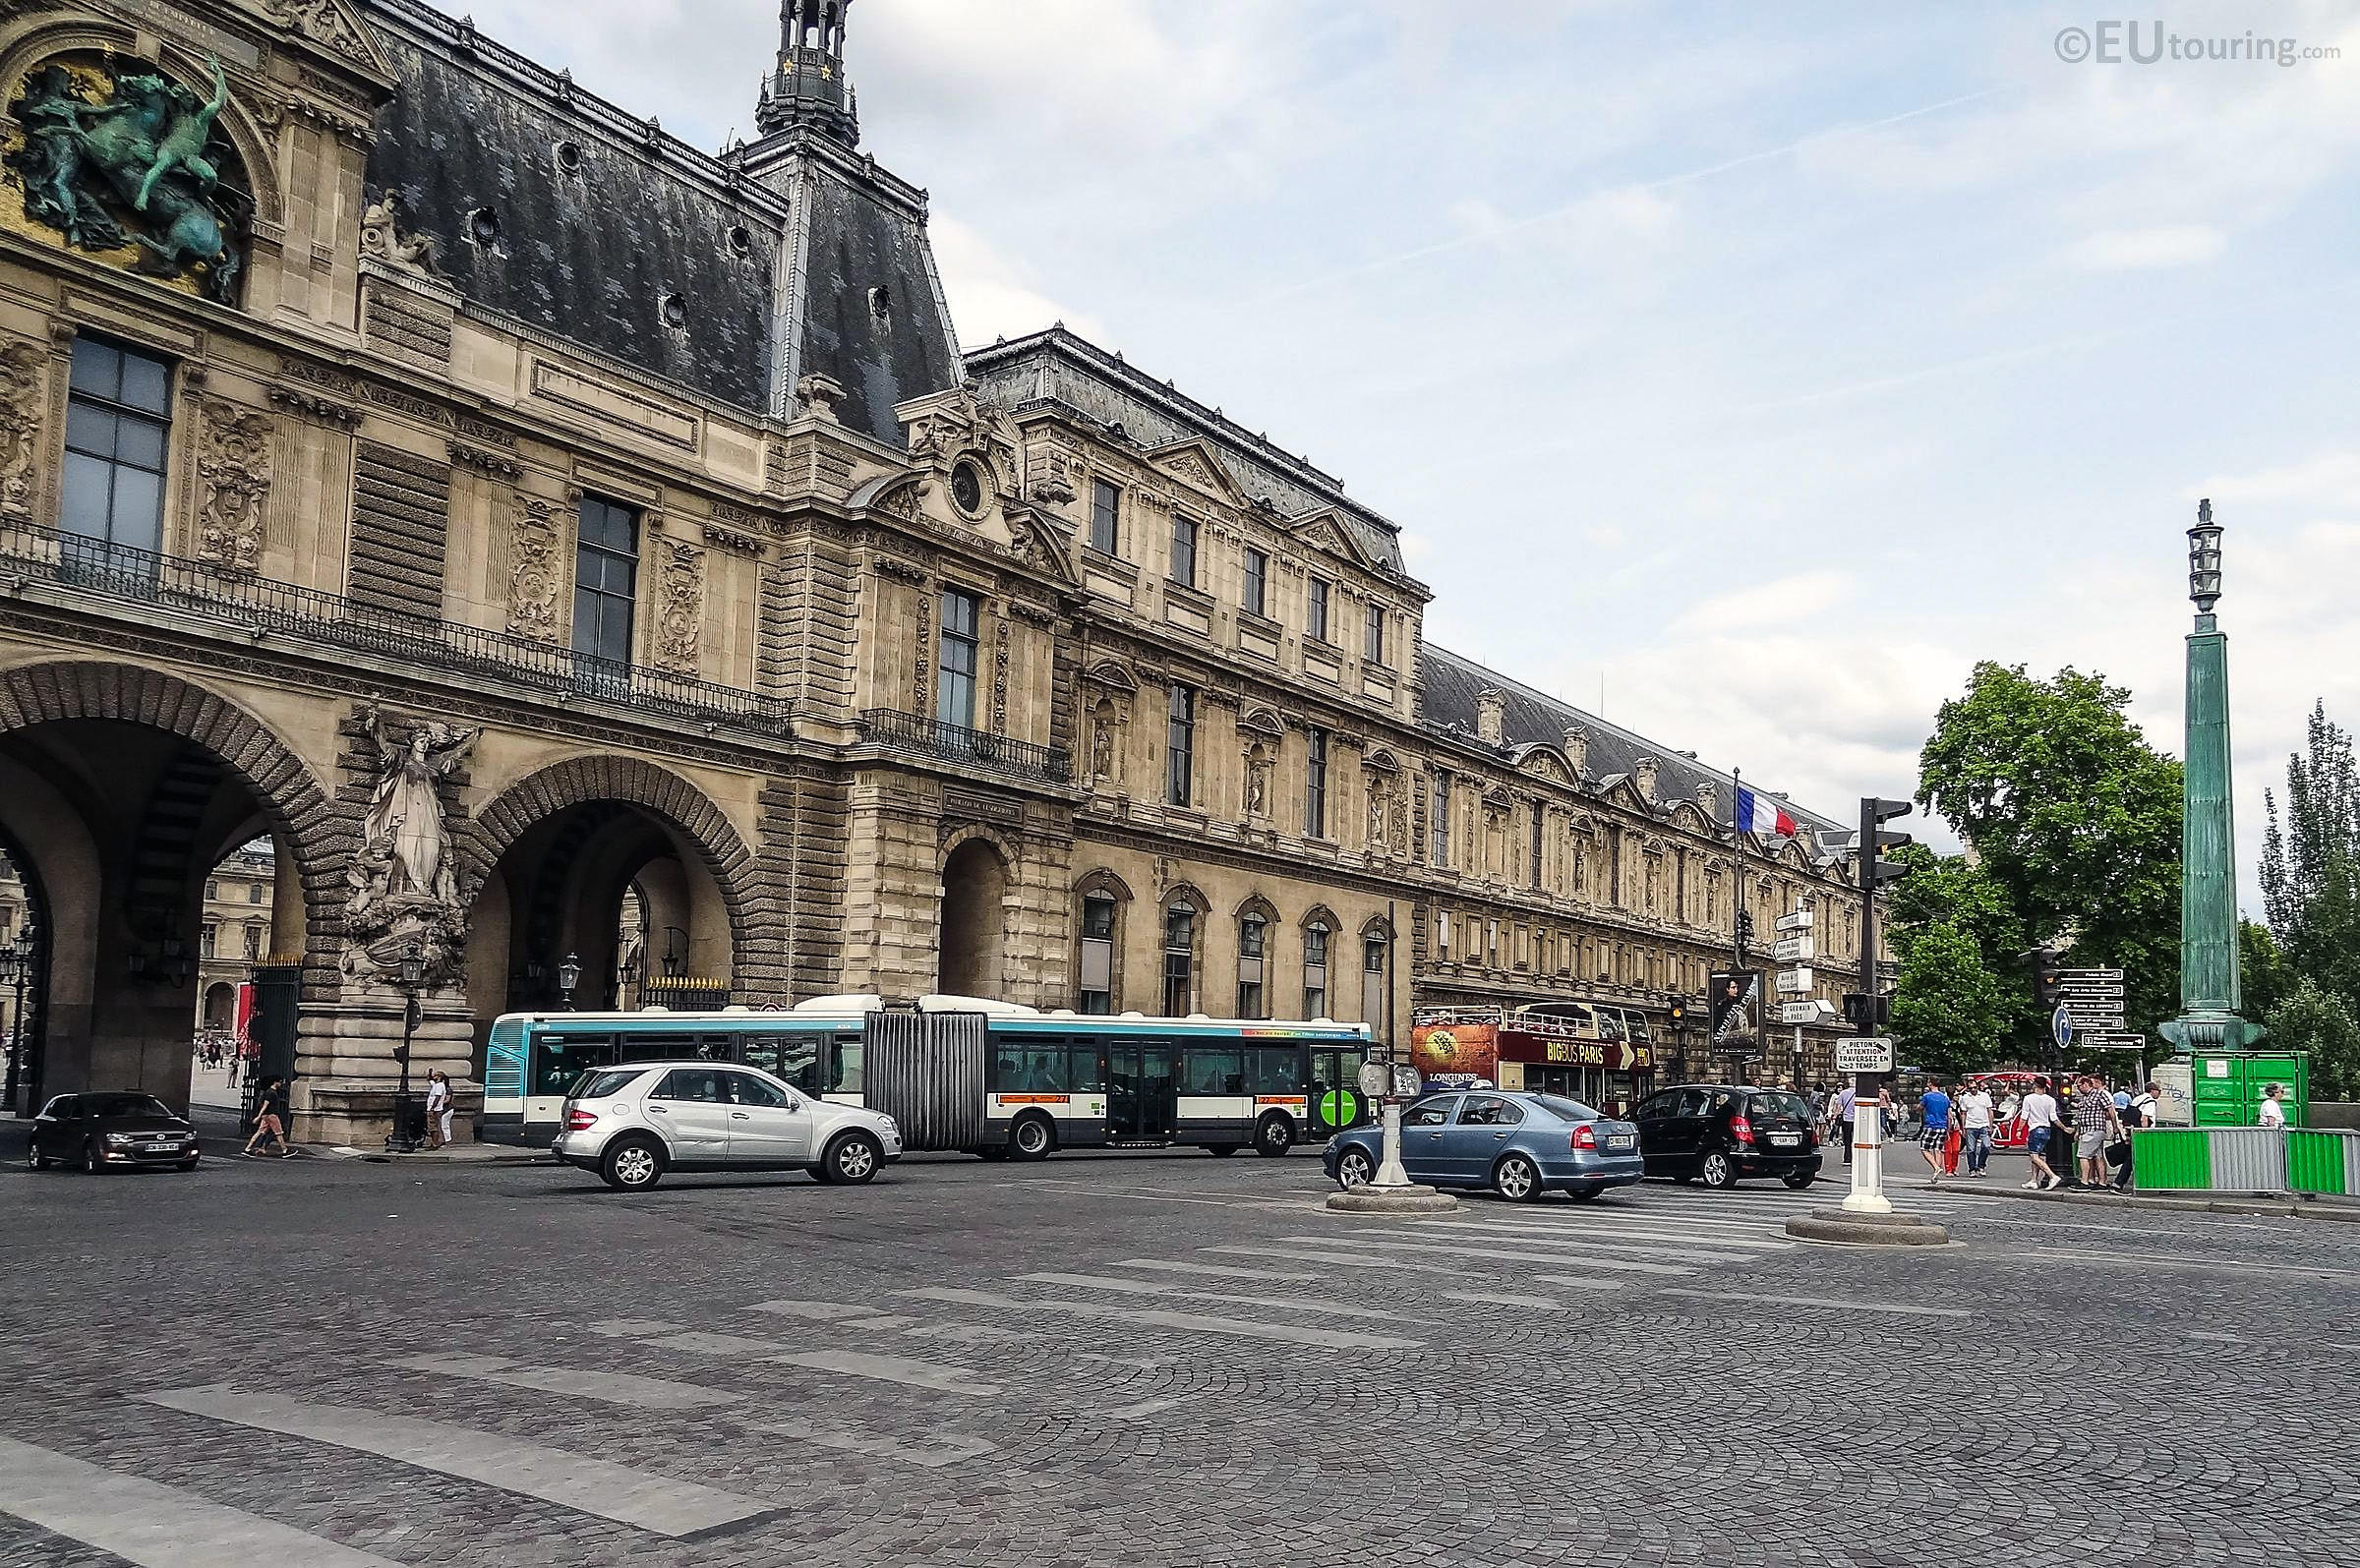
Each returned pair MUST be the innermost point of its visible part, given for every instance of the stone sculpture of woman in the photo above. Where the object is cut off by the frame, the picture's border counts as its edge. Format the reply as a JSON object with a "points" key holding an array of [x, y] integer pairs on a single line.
{"points": [[405, 817]]}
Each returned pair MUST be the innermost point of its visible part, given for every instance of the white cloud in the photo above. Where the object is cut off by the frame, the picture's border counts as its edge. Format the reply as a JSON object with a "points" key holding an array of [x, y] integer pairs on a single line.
{"points": [[2124, 250], [992, 294], [1782, 603]]}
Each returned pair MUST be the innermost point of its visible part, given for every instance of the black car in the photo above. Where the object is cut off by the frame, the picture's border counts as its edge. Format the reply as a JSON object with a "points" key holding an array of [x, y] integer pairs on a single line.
{"points": [[110, 1130], [1720, 1134]]}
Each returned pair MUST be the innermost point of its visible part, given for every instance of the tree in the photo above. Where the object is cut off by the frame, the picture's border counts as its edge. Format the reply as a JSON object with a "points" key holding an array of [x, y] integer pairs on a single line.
{"points": [[2311, 862], [2072, 816], [1950, 1012], [2262, 973], [2315, 1020]]}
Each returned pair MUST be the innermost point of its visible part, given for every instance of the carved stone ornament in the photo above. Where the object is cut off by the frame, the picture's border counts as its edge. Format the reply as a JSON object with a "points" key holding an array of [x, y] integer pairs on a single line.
{"points": [[681, 607], [944, 427], [533, 577], [23, 368], [382, 239], [324, 23], [903, 502], [127, 163], [819, 394], [401, 892], [233, 472]]}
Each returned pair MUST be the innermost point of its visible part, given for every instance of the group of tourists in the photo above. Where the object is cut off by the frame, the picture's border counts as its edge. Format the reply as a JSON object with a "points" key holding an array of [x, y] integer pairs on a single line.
{"points": [[2083, 1139]]}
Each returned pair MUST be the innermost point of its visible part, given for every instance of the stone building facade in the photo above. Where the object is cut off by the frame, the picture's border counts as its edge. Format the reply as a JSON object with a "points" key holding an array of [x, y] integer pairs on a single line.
{"points": [[504, 510]]}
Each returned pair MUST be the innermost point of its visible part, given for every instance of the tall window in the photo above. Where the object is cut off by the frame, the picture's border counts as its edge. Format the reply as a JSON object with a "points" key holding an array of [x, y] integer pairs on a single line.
{"points": [[1372, 980], [212, 890], [1315, 970], [1253, 938], [1314, 785], [1372, 643], [1184, 549], [1317, 624], [1179, 961], [1258, 582], [254, 941], [207, 940], [1180, 747], [118, 417], [1105, 506], [254, 892], [605, 580], [1540, 819], [1441, 825], [1441, 934], [1098, 955], [956, 655]]}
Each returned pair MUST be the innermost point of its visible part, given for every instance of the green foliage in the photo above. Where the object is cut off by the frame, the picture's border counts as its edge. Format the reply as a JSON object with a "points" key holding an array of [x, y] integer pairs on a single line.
{"points": [[2263, 975], [2075, 821], [1950, 1012], [2315, 1020], [2311, 862]]}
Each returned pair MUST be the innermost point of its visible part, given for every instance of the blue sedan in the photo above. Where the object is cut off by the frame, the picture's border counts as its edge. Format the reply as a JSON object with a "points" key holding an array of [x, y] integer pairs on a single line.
{"points": [[1518, 1144]]}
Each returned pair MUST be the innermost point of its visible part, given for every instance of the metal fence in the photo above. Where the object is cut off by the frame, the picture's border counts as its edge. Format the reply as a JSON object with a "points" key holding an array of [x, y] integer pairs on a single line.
{"points": [[2321, 1161], [932, 737], [237, 602]]}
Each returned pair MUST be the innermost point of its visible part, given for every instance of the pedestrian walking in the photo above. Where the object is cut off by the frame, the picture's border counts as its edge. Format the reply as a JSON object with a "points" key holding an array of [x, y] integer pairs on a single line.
{"points": [[2273, 1111], [2039, 1114], [438, 1109], [1841, 1115], [270, 1119], [1933, 1130], [1975, 1115], [235, 1056], [2096, 1124]]}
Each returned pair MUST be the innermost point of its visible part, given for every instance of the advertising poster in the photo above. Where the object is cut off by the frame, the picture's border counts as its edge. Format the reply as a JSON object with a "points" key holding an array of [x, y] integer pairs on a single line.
{"points": [[1738, 1012], [1455, 1054]]}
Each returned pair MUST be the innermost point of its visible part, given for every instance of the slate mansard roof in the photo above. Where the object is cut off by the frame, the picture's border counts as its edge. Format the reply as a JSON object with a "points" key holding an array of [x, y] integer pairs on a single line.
{"points": [[552, 207], [1452, 683]]}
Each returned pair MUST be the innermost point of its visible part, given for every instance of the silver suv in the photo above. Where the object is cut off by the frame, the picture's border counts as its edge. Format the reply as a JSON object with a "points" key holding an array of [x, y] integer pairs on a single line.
{"points": [[630, 1124]]}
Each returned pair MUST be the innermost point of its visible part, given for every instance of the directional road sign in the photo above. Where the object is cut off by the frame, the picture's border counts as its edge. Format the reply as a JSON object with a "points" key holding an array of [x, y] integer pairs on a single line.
{"points": [[1794, 980], [2071, 976], [1793, 950], [1811, 1011], [2112, 1040], [1799, 920], [2060, 1027]]}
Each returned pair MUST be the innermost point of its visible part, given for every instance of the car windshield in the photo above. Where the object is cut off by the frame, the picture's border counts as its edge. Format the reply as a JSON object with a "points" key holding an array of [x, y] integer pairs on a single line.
{"points": [[1566, 1110], [1782, 1103], [611, 1081], [123, 1105]]}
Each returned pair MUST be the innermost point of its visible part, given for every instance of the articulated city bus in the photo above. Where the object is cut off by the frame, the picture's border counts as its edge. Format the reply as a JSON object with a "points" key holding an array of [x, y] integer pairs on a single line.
{"points": [[964, 1074]]}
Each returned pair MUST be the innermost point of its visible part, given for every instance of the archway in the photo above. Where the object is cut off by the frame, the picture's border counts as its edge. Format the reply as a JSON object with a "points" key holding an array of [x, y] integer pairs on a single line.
{"points": [[24, 974], [218, 1011], [975, 890], [123, 788]]}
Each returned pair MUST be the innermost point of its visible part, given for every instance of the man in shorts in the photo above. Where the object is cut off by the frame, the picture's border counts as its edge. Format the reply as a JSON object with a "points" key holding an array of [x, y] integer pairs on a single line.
{"points": [[2039, 1113], [2096, 1123], [1933, 1112]]}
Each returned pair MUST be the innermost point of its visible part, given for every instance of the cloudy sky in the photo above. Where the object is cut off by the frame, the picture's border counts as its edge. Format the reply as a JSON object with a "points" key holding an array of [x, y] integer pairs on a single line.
{"points": [[1760, 367]]}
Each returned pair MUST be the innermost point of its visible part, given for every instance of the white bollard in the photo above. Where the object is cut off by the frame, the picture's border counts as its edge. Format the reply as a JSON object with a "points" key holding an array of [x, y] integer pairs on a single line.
{"points": [[1867, 1195]]}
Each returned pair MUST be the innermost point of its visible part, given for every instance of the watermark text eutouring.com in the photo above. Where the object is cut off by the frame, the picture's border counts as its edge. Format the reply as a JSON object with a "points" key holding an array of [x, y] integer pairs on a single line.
{"points": [[2122, 42]]}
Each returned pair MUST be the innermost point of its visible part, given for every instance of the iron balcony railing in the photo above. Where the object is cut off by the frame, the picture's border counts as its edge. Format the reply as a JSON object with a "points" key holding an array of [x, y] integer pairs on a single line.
{"points": [[932, 737], [258, 603]]}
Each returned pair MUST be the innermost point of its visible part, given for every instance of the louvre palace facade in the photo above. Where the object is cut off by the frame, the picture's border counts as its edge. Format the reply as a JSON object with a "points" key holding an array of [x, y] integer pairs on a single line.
{"points": [[413, 460]]}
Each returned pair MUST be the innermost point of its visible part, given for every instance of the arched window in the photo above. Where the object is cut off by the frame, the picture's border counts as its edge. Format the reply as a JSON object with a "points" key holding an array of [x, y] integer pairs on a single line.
{"points": [[1179, 959], [1376, 975], [1316, 932], [1102, 899], [1253, 961]]}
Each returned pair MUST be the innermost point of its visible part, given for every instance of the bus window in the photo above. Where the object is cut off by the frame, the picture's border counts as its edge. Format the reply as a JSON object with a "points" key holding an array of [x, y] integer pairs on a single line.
{"points": [[1212, 1070], [665, 1048], [1638, 1028], [1085, 1069], [559, 1059], [793, 1057], [1610, 1023], [1031, 1070], [845, 1064], [1276, 1069]]}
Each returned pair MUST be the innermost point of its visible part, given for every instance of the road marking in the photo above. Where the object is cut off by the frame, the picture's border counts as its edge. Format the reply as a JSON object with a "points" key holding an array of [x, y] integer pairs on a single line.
{"points": [[1145, 1407], [880, 1325], [1212, 1269], [1511, 1255], [634, 1328], [659, 1503], [1341, 1260], [817, 1311], [1240, 1327], [1098, 1190], [1157, 1286], [966, 1333], [1577, 1248], [1832, 1303], [612, 1388], [2218, 1265], [1486, 1298], [1768, 1240], [902, 1369], [150, 1525], [1575, 1282], [950, 1449]]}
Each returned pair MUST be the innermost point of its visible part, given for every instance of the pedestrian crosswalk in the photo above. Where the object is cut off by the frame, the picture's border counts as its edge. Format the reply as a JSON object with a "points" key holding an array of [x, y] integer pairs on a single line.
{"points": [[918, 1378]]}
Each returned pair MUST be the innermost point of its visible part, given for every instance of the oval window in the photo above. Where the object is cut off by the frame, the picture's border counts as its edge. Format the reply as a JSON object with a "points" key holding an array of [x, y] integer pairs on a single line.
{"points": [[967, 487]]}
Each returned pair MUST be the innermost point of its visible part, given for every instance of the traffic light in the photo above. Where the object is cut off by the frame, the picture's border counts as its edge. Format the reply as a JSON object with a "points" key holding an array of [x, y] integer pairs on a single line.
{"points": [[1680, 1012], [2048, 978], [1860, 1009], [401, 1055], [1745, 925], [1874, 840]]}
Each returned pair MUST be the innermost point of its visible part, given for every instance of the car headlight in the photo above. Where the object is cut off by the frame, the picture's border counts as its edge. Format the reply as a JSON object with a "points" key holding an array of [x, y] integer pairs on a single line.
{"points": [[131, 1138]]}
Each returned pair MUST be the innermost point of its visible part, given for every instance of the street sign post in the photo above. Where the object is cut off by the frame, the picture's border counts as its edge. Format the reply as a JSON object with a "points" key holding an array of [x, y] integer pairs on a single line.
{"points": [[1867, 1052], [1811, 1011], [1799, 920], [2060, 1027], [1793, 950], [1793, 981]]}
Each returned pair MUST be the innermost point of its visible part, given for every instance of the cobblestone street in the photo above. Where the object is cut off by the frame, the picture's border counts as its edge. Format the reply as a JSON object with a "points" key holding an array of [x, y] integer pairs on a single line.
{"points": [[1152, 1361]]}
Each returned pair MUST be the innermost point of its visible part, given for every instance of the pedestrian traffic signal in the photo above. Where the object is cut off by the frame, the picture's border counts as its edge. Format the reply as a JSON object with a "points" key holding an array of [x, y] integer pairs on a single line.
{"points": [[1861, 1010], [1745, 925], [401, 1055], [1874, 840]]}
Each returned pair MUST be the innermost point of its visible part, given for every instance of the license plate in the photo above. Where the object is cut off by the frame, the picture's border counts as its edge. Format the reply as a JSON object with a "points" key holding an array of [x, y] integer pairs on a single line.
{"points": [[1620, 1141], [1786, 1139], [159, 1149]]}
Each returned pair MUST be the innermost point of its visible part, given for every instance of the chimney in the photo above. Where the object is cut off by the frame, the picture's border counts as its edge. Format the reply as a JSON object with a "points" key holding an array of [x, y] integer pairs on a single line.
{"points": [[1489, 708], [1708, 798], [1642, 773], [1578, 749]]}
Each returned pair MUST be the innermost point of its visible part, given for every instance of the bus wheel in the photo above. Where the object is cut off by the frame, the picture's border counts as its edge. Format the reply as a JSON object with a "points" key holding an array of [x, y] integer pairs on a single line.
{"points": [[1274, 1136], [1032, 1139], [1225, 1150]]}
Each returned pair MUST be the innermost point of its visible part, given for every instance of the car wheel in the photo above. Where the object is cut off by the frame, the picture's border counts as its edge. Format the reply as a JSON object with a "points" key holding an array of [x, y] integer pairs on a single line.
{"points": [[850, 1161], [1798, 1180], [1275, 1137], [1717, 1170], [1032, 1139], [1354, 1168], [1517, 1178], [632, 1164], [92, 1165]]}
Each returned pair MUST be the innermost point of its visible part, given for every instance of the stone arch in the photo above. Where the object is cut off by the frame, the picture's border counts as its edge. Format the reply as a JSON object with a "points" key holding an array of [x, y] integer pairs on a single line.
{"points": [[968, 834], [977, 870]]}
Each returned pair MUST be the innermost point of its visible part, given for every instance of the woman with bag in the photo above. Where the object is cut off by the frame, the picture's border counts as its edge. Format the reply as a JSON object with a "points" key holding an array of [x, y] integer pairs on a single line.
{"points": [[438, 1109]]}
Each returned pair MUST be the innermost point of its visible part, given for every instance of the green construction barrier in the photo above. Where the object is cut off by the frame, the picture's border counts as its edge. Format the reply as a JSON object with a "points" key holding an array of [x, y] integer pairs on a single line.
{"points": [[2316, 1162], [2171, 1159]]}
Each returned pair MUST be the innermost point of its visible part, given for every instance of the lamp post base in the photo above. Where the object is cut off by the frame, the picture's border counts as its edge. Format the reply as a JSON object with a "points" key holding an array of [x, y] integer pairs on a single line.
{"points": [[1382, 1199]]}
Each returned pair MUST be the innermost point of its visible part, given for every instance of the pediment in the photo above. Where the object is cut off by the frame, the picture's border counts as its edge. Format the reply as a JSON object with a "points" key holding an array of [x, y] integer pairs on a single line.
{"points": [[1624, 791], [1688, 816], [334, 28], [1325, 529], [1544, 760], [1263, 721], [1196, 462], [1111, 675]]}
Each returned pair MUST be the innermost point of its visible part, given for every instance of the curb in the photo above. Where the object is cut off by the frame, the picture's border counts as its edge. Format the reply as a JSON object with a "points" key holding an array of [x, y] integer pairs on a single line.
{"points": [[1411, 1202], [1897, 1228], [2191, 1203], [345, 1151]]}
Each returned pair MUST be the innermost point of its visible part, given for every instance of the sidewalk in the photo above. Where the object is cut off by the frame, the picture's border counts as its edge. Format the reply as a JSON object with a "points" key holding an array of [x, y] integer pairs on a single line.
{"points": [[450, 1154], [2010, 1171]]}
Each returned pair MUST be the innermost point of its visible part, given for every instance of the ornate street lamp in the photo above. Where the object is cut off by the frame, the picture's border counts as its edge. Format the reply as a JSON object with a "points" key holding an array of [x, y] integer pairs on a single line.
{"points": [[410, 974], [2203, 559], [569, 975]]}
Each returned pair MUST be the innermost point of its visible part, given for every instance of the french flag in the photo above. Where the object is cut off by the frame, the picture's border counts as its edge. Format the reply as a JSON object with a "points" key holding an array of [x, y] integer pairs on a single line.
{"points": [[1756, 815]]}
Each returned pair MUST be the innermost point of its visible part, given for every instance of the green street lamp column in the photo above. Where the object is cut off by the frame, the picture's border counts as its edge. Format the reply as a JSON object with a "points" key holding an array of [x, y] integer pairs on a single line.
{"points": [[2209, 995]]}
